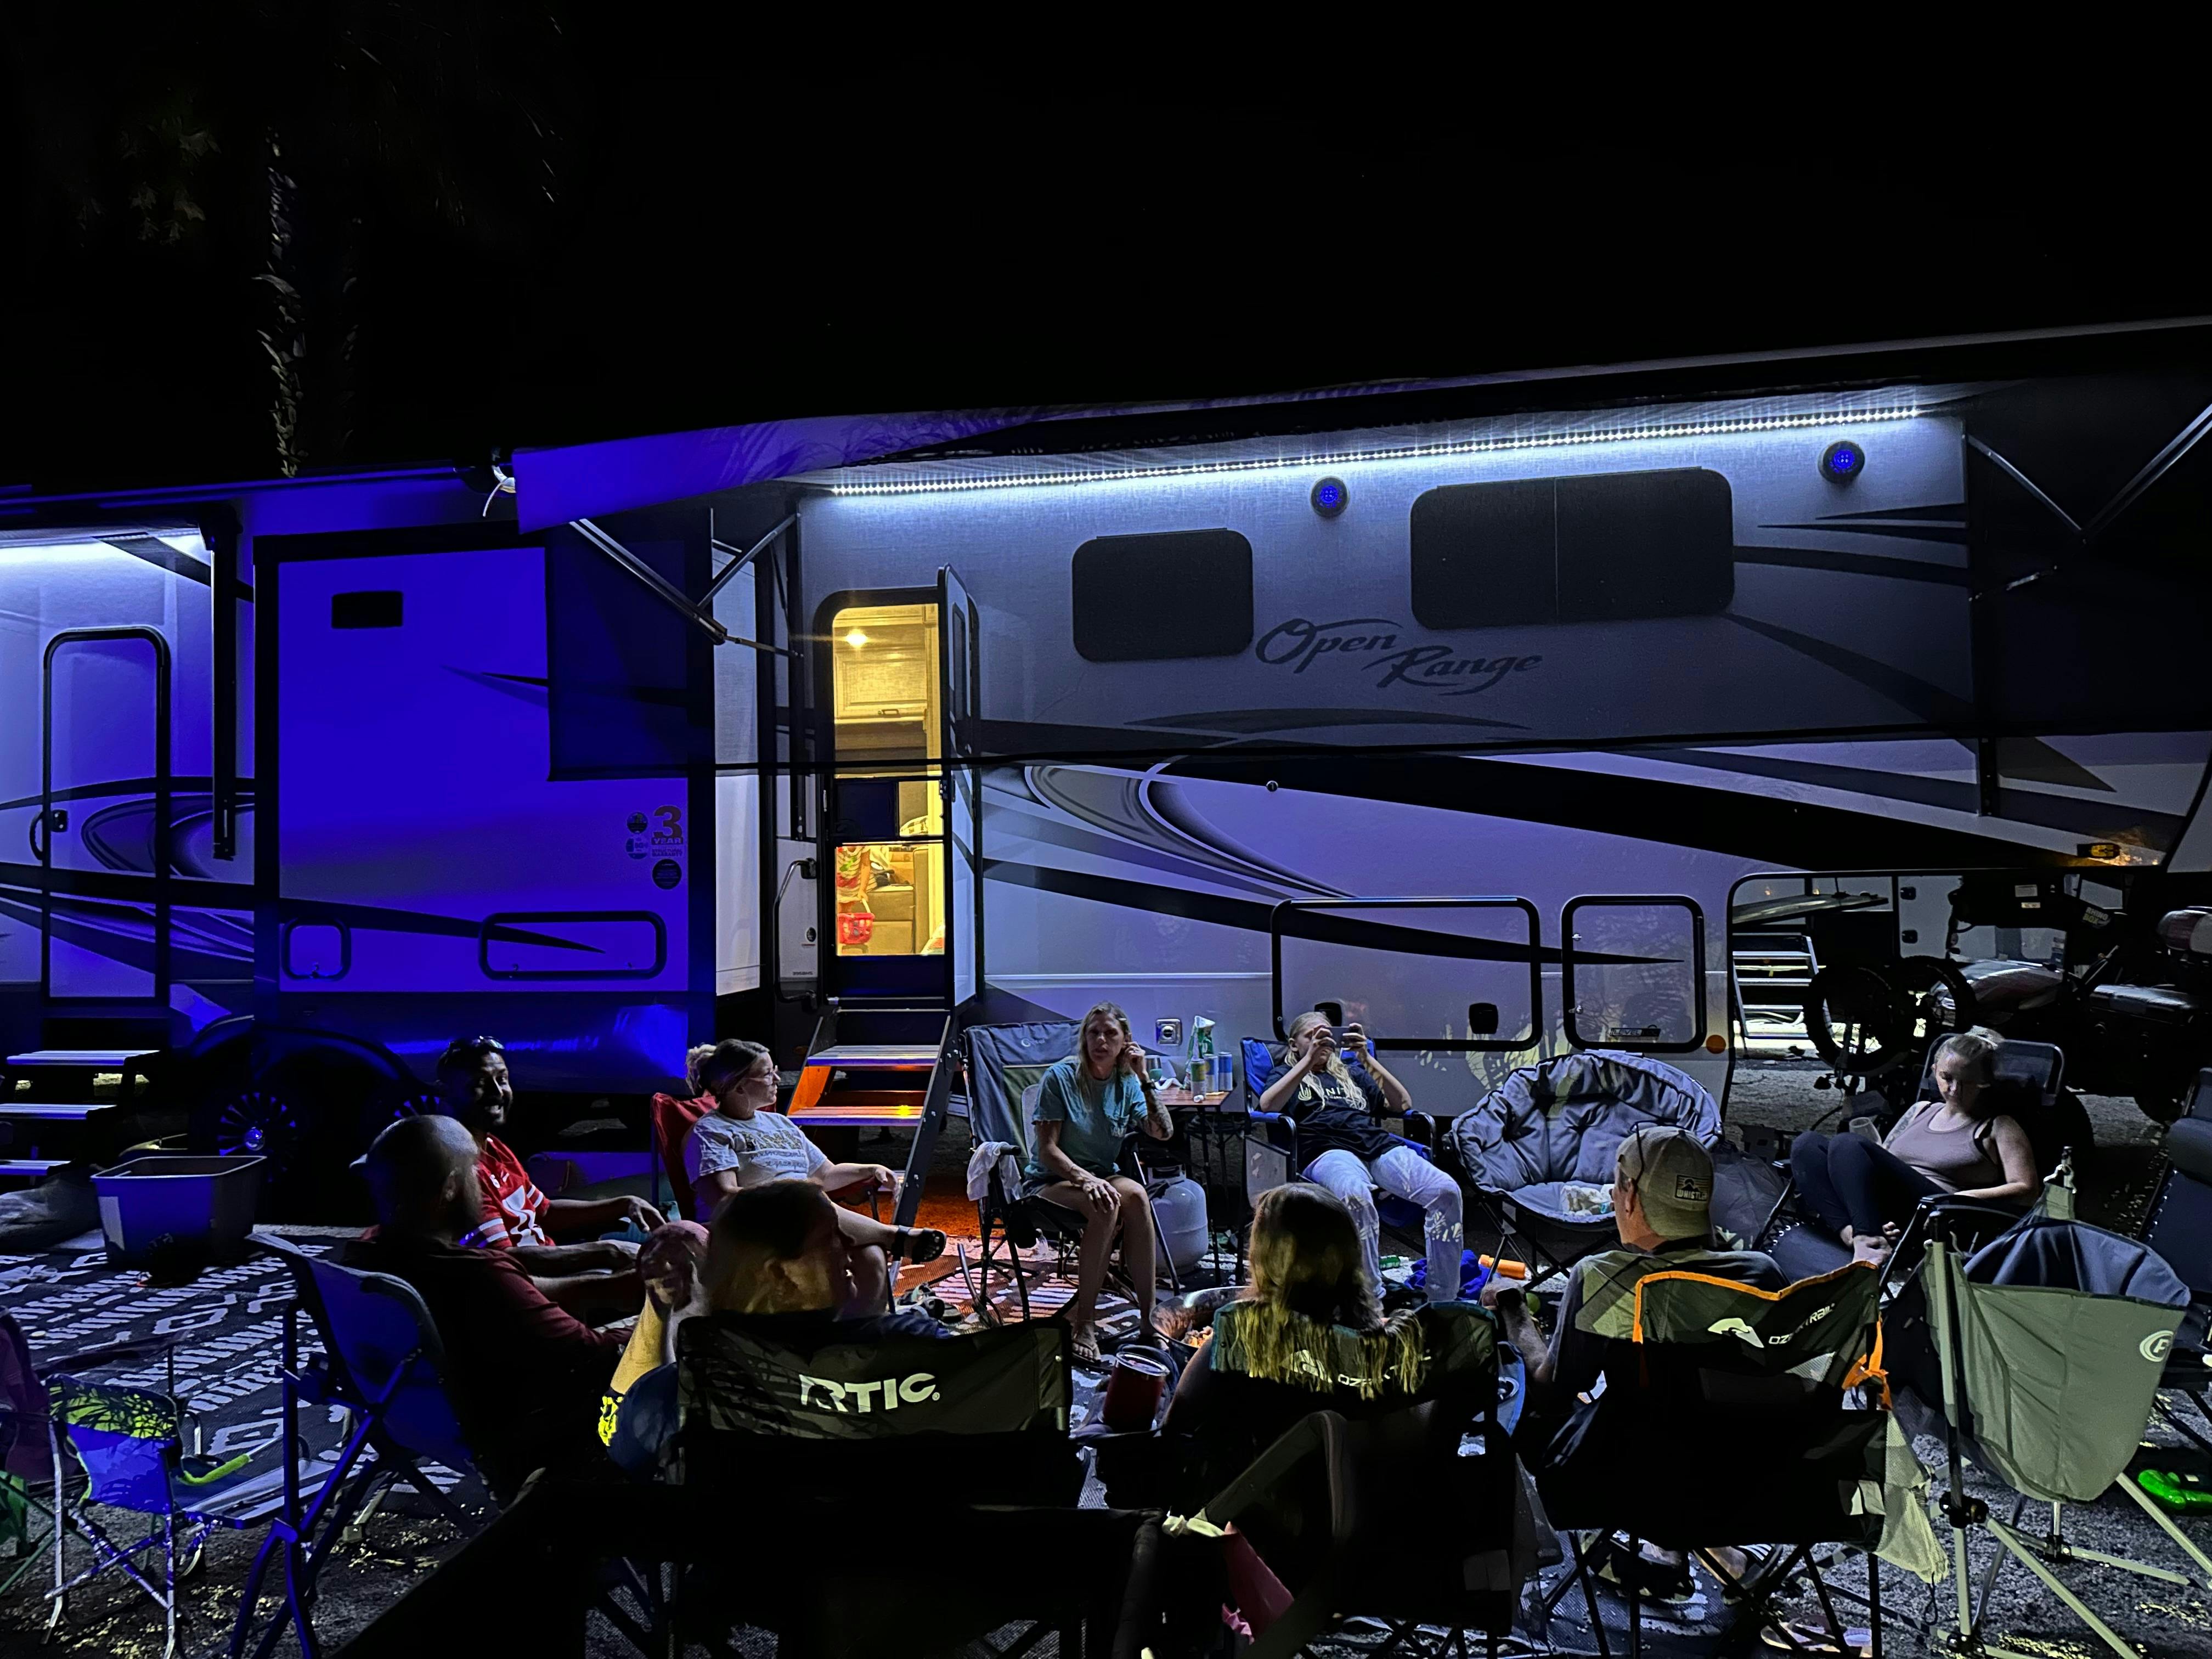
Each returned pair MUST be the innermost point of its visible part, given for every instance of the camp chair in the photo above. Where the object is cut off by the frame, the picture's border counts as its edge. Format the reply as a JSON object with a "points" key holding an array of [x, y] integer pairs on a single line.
{"points": [[129, 1443], [1555, 1127], [380, 1365], [671, 1120], [1273, 1156], [1004, 1064], [31, 1445], [1763, 1382], [2052, 1339], [2180, 1230], [1471, 1543], [985, 1415]]}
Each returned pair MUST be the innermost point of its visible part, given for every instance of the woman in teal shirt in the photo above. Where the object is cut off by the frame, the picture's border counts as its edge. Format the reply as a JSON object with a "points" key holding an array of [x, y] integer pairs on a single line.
{"points": [[1087, 1106]]}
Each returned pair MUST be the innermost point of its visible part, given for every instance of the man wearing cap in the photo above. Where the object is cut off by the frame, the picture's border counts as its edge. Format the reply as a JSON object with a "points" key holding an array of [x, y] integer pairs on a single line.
{"points": [[1662, 1193]]}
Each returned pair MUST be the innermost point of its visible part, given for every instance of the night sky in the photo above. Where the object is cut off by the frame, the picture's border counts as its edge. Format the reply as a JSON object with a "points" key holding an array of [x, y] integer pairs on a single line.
{"points": [[392, 234]]}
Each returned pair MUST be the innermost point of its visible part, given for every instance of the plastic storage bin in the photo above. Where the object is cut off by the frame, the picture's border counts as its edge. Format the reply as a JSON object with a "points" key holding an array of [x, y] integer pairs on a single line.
{"points": [[197, 1208]]}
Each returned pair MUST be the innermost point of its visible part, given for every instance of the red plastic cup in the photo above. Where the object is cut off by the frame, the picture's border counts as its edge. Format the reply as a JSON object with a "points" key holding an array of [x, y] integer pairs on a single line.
{"points": [[1134, 1391]]}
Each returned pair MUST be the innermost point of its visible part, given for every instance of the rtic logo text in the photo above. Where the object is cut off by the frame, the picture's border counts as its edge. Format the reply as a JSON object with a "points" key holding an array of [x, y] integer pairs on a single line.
{"points": [[885, 1394]]}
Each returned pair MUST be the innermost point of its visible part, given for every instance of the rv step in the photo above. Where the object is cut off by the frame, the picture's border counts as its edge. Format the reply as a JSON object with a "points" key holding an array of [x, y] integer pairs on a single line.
{"points": [[872, 1056], [47, 1111], [829, 1114], [29, 1169], [100, 1059]]}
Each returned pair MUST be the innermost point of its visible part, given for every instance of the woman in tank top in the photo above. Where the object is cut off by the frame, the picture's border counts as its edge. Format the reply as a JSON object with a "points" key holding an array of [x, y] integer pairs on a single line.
{"points": [[1958, 1143]]}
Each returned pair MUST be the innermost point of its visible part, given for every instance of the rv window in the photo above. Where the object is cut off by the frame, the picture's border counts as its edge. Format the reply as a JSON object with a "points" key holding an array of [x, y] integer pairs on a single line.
{"points": [[1148, 598], [1443, 975], [1609, 547], [365, 609], [1634, 971]]}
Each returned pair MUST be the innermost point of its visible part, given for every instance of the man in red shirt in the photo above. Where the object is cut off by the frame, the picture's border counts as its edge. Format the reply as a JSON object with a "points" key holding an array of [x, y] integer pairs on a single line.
{"points": [[525, 1376], [593, 1274]]}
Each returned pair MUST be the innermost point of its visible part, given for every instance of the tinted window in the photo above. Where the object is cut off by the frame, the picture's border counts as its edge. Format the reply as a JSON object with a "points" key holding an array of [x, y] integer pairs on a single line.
{"points": [[1608, 548], [1121, 581]]}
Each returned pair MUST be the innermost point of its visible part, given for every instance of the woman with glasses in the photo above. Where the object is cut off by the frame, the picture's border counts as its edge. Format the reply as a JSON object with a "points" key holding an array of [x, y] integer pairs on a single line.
{"points": [[745, 1142]]}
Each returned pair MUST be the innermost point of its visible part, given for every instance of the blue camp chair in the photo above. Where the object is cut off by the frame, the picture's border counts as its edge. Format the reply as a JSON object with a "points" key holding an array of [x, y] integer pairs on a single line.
{"points": [[380, 1364], [129, 1443], [1273, 1157], [31, 1447]]}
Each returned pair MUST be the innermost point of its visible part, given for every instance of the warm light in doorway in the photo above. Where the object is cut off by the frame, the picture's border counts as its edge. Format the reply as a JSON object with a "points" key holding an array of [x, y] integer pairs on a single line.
{"points": [[856, 639]]}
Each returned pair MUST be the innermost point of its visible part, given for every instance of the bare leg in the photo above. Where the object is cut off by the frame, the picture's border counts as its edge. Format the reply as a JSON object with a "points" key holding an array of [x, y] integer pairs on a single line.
{"points": [[1138, 1247], [1098, 1224], [595, 1298], [866, 1229]]}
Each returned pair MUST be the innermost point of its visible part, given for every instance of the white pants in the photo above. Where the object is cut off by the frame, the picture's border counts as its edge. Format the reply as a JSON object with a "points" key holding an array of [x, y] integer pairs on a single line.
{"points": [[1405, 1174]]}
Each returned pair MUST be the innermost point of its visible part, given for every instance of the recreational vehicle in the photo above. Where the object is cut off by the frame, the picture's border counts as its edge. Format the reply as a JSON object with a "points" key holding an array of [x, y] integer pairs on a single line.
{"points": [[1825, 699]]}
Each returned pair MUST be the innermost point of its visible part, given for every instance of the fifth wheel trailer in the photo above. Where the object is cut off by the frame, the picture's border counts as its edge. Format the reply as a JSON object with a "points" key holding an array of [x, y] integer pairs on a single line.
{"points": [[942, 716]]}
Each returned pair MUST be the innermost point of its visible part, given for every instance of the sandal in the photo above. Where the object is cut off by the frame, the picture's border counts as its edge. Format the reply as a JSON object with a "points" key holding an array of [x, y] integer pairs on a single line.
{"points": [[1659, 1581], [1085, 1349], [917, 1244]]}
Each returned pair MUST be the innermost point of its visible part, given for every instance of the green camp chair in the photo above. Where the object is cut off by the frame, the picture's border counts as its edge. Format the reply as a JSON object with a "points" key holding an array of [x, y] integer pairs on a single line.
{"points": [[2051, 1340]]}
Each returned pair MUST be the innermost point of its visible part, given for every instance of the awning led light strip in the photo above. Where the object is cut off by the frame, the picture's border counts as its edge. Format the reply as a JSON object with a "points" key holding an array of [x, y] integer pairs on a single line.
{"points": [[1404, 452]]}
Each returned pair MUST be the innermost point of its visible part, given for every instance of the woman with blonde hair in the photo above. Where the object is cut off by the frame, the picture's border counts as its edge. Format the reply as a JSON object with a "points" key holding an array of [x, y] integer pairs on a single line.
{"points": [[1962, 1143], [1308, 1335], [1087, 1105], [1343, 1148]]}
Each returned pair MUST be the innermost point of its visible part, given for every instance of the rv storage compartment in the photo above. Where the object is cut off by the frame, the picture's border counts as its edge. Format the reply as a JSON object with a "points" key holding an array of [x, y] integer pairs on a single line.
{"points": [[199, 1207]]}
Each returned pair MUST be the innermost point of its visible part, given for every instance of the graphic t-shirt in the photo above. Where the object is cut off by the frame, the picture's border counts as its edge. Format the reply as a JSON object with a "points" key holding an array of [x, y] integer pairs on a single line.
{"points": [[1095, 1117], [1331, 1118], [766, 1146], [513, 1208]]}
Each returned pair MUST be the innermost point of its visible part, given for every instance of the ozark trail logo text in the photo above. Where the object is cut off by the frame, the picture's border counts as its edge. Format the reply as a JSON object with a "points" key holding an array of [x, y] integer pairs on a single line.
{"points": [[1372, 644]]}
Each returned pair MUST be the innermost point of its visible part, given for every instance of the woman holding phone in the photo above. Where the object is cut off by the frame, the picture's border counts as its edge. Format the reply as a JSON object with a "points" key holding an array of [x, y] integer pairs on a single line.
{"points": [[1335, 1110], [1087, 1106]]}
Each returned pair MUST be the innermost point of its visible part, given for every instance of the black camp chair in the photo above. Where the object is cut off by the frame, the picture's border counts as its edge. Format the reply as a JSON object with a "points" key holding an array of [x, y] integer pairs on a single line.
{"points": [[985, 1415], [2051, 1341], [1783, 1391], [2054, 1121], [380, 1365], [1559, 1125], [1273, 1156], [1004, 1063], [2180, 1230]]}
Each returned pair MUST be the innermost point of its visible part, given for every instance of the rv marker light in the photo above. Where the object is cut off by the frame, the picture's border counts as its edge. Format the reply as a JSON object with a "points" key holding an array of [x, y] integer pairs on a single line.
{"points": [[1402, 452], [1330, 497], [1842, 462]]}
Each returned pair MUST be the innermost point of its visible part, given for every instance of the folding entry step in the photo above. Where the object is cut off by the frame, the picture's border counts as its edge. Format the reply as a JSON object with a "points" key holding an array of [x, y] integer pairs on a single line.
{"points": [[899, 1080], [56, 1104]]}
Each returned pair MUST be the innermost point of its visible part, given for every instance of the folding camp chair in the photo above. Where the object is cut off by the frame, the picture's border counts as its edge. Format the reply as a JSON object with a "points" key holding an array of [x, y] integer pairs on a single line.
{"points": [[31, 1446], [1551, 1129], [1004, 1063], [131, 1444], [1273, 1156], [2180, 1230], [985, 1415], [669, 1120], [2051, 1340], [1460, 1565], [1785, 1389], [380, 1365]]}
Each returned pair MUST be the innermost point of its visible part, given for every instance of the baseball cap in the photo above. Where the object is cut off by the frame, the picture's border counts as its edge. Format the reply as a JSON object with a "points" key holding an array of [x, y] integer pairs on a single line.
{"points": [[1672, 1175]]}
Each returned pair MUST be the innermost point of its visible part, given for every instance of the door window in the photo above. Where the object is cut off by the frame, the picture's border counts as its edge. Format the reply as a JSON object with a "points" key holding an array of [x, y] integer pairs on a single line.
{"points": [[888, 820]]}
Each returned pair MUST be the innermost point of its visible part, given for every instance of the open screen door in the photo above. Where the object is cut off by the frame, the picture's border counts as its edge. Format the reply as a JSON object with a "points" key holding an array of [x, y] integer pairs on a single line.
{"points": [[960, 665]]}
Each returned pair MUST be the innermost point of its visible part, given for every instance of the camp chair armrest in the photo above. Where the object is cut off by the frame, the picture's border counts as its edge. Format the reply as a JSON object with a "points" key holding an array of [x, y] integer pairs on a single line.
{"points": [[1423, 1130], [1258, 1116], [1304, 1439]]}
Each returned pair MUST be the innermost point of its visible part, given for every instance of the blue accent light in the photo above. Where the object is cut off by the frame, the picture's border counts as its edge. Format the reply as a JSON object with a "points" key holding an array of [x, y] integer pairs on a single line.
{"points": [[1843, 461], [1330, 497]]}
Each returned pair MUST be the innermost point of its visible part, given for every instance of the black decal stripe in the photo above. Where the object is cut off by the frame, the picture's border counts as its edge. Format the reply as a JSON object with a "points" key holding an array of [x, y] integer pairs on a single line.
{"points": [[1758, 829], [1324, 926], [1244, 721], [1908, 533], [119, 888], [2103, 819], [1011, 823], [1854, 564], [1946, 513], [1932, 703]]}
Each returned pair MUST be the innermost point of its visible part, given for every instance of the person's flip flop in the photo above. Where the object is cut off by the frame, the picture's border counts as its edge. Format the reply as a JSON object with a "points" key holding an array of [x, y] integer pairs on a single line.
{"points": [[917, 1244], [1085, 1351]]}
